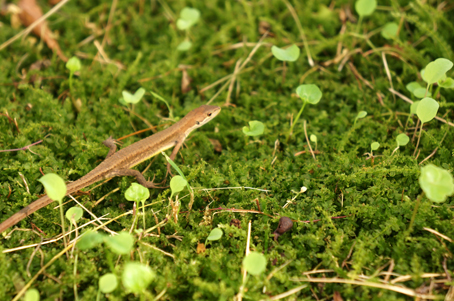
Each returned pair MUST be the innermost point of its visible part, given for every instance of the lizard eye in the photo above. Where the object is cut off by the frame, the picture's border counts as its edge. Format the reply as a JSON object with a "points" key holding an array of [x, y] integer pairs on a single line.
{"points": [[209, 114]]}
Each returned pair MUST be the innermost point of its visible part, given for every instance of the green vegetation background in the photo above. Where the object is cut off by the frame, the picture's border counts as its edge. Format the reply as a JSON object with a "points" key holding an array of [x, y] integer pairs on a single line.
{"points": [[378, 200]]}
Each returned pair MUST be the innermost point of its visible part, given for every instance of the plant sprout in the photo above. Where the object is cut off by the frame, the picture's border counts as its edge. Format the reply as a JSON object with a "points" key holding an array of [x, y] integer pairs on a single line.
{"points": [[215, 234], [177, 184], [136, 277], [290, 54], [313, 138], [132, 98], [435, 72], [139, 194], [254, 263], [402, 140], [73, 214], [56, 190], [426, 111], [308, 94], [120, 244], [361, 114], [255, 128], [73, 65], [390, 30], [437, 183], [188, 17], [364, 8]]}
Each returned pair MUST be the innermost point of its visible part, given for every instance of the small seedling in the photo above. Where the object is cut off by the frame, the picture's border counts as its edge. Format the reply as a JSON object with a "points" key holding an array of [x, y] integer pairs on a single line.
{"points": [[426, 111], [120, 244], [255, 128], [361, 115], [364, 8], [390, 30], [136, 277], [56, 190], [31, 295], [313, 138], [402, 140], [215, 234], [132, 98], [374, 146], [254, 263], [73, 65], [435, 72], [139, 194], [188, 17], [308, 94], [289, 54], [74, 214], [107, 284]]}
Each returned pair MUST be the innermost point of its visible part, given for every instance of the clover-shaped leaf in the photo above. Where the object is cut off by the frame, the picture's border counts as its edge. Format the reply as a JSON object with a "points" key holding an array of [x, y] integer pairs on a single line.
{"points": [[436, 70], [365, 7], [177, 184], [188, 17], [137, 193], [133, 98], [389, 31], [290, 54], [402, 139], [54, 185], [74, 213], [255, 128], [136, 277], [427, 109], [437, 183]]}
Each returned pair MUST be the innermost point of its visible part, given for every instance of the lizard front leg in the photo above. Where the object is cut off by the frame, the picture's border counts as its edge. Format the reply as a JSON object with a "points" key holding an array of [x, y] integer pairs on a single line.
{"points": [[133, 173], [111, 143]]}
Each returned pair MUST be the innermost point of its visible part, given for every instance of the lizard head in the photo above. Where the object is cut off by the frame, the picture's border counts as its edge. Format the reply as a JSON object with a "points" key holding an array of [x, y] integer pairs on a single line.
{"points": [[202, 115]]}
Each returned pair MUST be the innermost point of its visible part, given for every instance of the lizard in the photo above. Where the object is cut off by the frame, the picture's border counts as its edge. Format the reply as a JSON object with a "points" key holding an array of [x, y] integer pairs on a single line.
{"points": [[119, 163]]}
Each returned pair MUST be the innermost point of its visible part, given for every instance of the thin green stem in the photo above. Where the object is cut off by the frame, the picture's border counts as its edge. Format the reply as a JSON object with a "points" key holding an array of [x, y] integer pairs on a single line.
{"points": [[76, 296], [62, 223], [296, 119], [143, 210], [419, 138], [98, 296], [418, 202], [436, 92]]}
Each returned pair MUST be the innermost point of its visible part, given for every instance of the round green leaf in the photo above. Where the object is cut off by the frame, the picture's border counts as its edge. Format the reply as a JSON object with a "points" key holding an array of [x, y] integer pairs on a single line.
{"points": [[389, 31], [184, 46], [254, 263], [309, 93], [437, 183], [374, 146], [121, 243], [136, 277], [108, 283], [421, 92], [365, 7], [215, 234], [31, 295], [414, 107], [90, 239], [290, 54], [436, 70], [255, 128], [412, 86], [137, 193], [427, 109], [402, 139], [54, 185], [74, 213], [73, 64], [313, 138], [188, 17], [177, 184], [361, 114], [133, 98]]}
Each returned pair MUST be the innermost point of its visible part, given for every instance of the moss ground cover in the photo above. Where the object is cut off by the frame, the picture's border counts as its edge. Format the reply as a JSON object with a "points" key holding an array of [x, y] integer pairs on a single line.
{"points": [[359, 63]]}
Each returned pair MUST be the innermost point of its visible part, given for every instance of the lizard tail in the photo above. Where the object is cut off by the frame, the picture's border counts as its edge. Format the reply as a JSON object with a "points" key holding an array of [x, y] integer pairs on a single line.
{"points": [[23, 213]]}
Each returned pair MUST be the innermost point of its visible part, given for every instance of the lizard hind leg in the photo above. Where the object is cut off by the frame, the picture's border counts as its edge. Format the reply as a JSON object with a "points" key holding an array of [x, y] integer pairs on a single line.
{"points": [[111, 143]]}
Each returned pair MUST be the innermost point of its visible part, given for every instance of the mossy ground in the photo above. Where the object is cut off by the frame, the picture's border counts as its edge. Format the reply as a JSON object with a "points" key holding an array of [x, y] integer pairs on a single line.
{"points": [[377, 199]]}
